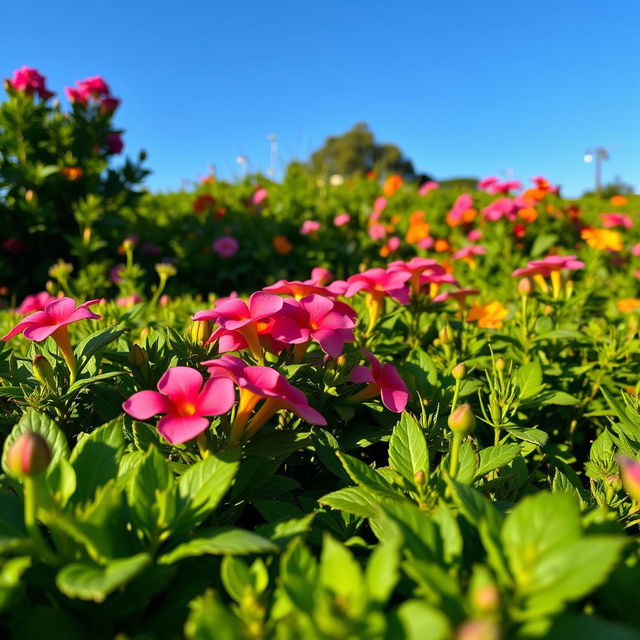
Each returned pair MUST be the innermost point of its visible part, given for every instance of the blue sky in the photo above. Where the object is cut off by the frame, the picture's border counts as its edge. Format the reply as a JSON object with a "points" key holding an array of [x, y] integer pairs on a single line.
{"points": [[466, 88]]}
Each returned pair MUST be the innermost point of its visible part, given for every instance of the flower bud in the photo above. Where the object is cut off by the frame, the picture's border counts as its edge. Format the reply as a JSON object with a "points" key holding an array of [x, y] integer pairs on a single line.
{"points": [[138, 357], [614, 481], [419, 477], [446, 334], [525, 287], [28, 455], [200, 331], [478, 630], [500, 364], [165, 270], [630, 476], [459, 371], [43, 372], [462, 420]]}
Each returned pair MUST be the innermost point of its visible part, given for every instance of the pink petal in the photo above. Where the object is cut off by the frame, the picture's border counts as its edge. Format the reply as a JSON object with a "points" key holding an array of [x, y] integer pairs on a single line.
{"points": [[39, 333], [361, 374], [332, 340], [289, 331], [262, 305], [308, 414], [35, 319], [178, 430], [59, 310], [181, 383], [144, 404], [263, 380], [394, 399], [217, 397]]}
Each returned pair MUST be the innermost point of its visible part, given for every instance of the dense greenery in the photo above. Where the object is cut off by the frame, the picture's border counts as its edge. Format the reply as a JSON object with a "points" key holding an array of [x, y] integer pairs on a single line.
{"points": [[420, 444]]}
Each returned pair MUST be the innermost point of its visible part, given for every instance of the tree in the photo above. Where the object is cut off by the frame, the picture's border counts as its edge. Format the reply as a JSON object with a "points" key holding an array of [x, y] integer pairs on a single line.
{"points": [[356, 153]]}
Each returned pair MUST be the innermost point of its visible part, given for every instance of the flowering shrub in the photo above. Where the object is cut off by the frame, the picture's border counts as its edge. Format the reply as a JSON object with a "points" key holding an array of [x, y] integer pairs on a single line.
{"points": [[299, 429]]}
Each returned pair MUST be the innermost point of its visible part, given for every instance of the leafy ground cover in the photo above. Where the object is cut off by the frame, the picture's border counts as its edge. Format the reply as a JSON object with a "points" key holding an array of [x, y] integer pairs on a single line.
{"points": [[362, 410]]}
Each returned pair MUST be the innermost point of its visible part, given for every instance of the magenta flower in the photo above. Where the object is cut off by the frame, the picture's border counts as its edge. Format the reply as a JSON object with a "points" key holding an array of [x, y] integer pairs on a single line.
{"points": [[95, 86], [128, 301], [28, 80], [299, 289], [308, 227], [109, 104], [226, 246], [487, 182], [259, 196], [315, 318], [548, 265], [463, 203], [185, 401], [468, 252], [382, 380], [320, 276], [341, 219], [474, 235], [416, 268], [377, 231], [114, 143], [381, 283], [630, 475], [611, 220], [36, 302], [248, 320], [53, 321], [379, 205], [426, 187], [257, 384], [500, 208]]}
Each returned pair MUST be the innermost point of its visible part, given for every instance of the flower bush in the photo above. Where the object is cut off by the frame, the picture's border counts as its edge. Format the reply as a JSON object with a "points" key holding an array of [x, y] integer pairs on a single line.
{"points": [[249, 431]]}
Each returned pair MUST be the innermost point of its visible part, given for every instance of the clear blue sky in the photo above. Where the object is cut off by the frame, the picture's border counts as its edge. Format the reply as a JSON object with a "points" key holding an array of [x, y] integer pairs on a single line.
{"points": [[464, 88]]}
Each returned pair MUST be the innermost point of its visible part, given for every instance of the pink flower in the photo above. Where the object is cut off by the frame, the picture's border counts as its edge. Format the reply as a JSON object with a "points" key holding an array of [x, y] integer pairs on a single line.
{"points": [[426, 187], [185, 401], [114, 143], [36, 302], [543, 184], [115, 273], [309, 226], [299, 289], [393, 244], [256, 384], [379, 282], [341, 219], [377, 231], [95, 86], [474, 235], [379, 205], [226, 246], [109, 104], [320, 276], [549, 265], [635, 250], [259, 196], [128, 301], [630, 475], [487, 182], [493, 185], [463, 203], [500, 208], [416, 268], [425, 243], [383, 380], [468, 252], [28, 80], [55, 317], [610, 220], [315, 318], [248, 320]]}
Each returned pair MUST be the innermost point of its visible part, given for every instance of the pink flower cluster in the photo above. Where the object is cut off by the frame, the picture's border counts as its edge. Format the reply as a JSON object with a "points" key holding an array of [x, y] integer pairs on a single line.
{"points": [[548, 265], [93, 90], [493, 185], [463, 203], [28, 80]]}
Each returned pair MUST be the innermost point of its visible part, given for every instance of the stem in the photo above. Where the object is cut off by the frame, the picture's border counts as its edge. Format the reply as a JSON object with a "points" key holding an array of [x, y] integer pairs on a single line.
{"points": [[159, 290], [496, 436], [30, 521], [455, 450], [456, 393]]}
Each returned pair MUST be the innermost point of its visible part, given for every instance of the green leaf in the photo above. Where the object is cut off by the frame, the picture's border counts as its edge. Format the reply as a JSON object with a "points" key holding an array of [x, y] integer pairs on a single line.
{"points": [[236, 578], [383, 571], [534, 436], [227, 540], [542, 243], [496, 457], [93, 582], [354, 500], [203, 485], [363, 475], [408, 448], [538, 525], [420, 621], [95, 458], [529, 377], [43, 425], [211, 620], [341, 573], [559, 398]]}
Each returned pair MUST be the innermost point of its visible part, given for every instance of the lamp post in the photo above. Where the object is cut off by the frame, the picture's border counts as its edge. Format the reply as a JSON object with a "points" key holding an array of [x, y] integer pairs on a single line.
{"points": [[598, 154], [273, 154], [243, 162]]}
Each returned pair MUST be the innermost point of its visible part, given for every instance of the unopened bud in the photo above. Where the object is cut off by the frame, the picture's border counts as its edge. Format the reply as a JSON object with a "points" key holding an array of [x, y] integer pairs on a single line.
{"points": [[138, 357], [500, 364], [28, 455], [165, 270], [459, 371], [419, 477], [525, 287], [462, 420], [200, 331], [43, 372], [614, 481], [478, 630], [446, 334]]}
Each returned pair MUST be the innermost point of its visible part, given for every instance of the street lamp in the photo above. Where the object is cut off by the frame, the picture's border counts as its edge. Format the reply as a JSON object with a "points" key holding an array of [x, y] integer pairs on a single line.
{"points": [[273, 154], [242, 161], [598, 154]]}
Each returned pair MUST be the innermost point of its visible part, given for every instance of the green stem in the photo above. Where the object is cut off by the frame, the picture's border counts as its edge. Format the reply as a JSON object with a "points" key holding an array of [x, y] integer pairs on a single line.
{"points": [[30, 521], [456, 393], [454, 453]]}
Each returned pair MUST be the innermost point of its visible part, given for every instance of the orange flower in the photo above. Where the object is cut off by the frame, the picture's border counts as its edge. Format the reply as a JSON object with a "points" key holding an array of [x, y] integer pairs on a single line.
{"points": [[603, 239], [535, 195], [416, 216], [488, 316], [618, 201], [395, 218], [72, 173], [528, 215], [417, 231], [441, 245], [372, 175], [282, 245], [391, 185], [626, 305]]}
